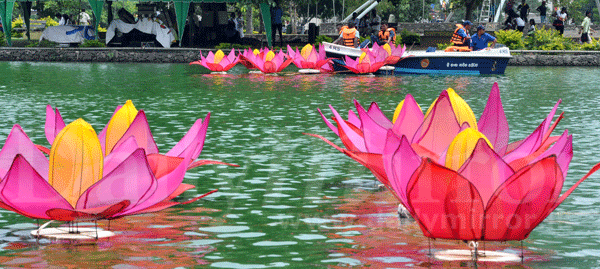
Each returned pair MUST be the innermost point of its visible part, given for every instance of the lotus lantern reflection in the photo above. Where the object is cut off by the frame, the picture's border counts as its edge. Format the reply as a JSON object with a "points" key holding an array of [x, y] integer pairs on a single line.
{"points": [[267, 61], [368, 62], [459, 177], [91, 176], [310, 58], [218, 62]]}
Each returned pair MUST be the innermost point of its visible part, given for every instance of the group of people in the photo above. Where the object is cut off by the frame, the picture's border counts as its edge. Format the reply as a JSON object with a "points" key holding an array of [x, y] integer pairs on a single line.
{"points": [[350, 35], [478, 41], [369, 24], [234, 30], [64, 19]]}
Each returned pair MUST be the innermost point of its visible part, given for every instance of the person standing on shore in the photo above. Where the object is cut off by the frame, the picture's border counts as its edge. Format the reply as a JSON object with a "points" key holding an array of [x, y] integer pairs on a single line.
{"points": [[561, 18], [276, 14], [585, 28], [523, 10], [542, 9]]}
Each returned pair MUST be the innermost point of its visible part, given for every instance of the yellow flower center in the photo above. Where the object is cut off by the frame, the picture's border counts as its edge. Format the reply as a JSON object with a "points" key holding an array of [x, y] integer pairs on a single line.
{"points": [[306, 50], [462, 147], [270, 56], [255, 52], [387, 48], [219, 56], [75, 160], [119, 124], [362, 57]]}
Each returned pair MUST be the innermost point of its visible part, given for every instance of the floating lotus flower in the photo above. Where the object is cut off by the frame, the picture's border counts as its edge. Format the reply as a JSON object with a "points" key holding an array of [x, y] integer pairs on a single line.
{"points": [[310, 58], [392, 53], [247, 58], [267, 61], [88, 177], [218, 62], [368, 62], [459, 178]]}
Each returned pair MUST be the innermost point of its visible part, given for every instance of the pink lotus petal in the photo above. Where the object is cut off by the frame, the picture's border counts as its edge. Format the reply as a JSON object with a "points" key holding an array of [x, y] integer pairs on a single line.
{"points": [[493, 123], [563, 150], [18, 143], [26, 191], [356, 139], [486, 170], [140, 130], [373, 133], [377, 115], [132, 180], [400, 161], [409, 119], [525, 199], [118, 155], [196, 134], [439, 128], [54, 124], [328, 123]]}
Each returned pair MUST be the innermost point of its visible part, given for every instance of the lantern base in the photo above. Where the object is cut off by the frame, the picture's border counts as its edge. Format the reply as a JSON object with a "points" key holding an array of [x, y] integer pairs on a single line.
{"points": [[309, 71], [218, 73], [255, 72], [387, 68], [483, 256], [65, 234]]}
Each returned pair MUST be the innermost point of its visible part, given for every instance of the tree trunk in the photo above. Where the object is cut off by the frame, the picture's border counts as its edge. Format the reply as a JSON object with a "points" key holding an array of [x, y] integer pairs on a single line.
{"points": [[295, 21], [469, 10], [249, 26]]}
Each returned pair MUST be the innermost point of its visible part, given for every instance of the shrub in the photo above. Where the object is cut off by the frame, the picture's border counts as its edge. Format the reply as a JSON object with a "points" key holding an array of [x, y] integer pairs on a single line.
{"points": [[50, 21], [548, 39], [2, 40], [443, 46], [229, 46], [18, 22], [322, 38], [513, 39], [92, 44], [101, 29], [408, 38], [595, 45], [15, 34]]}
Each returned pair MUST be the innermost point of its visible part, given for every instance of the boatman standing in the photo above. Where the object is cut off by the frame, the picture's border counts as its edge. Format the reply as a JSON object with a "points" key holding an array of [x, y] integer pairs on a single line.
{"points": [[480, 40], [349, 36], [461, 34]]}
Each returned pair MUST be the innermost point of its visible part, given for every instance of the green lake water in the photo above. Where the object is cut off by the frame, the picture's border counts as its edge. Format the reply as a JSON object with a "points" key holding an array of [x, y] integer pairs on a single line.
{"points": [[294, 201]]}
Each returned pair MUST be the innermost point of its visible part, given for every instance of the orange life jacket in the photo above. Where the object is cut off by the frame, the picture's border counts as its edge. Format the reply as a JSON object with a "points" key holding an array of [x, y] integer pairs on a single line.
{"points": [[455, 48], [348, 35], [456, 39], [383, 36], [343, 28]]}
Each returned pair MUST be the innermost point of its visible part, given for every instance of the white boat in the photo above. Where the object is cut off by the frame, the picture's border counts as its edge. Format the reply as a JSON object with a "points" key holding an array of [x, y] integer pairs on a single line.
{"points": [[488, 61]]}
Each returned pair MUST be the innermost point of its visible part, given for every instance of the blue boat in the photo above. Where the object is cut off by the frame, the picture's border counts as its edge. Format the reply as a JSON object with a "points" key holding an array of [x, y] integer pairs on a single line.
{"points": [[483, 62]]}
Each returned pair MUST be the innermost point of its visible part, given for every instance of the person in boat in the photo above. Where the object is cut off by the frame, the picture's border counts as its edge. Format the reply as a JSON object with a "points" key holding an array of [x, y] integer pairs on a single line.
{"points": [[480, 40], [386, 35], [461, 35], [349, 36]]}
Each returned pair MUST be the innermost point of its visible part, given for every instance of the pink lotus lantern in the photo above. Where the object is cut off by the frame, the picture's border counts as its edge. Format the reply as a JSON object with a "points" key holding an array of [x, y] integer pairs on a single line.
{"points": [[368, 62], [310, 58], [459, 177], [245, 57], [218, 62], [267, 61], [116, 173], [392, 53]]}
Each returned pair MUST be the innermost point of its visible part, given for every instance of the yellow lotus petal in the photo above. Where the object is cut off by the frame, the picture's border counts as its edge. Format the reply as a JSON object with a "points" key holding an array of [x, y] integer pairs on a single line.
{"points": [[270, 56], [75, 160], [462, 146], [119, 124], [387, 48], [255, 52], [362, 56], [462, 110], [306, 50], [399, 108], [219, 56]]}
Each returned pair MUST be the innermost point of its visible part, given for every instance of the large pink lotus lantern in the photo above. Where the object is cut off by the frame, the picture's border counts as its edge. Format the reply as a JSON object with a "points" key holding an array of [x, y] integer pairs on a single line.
{"points": [[116, 173], [268, 61], [218, 62], [310, 58], [246, 55], [368, 62], [459, 177], [391, 52]]}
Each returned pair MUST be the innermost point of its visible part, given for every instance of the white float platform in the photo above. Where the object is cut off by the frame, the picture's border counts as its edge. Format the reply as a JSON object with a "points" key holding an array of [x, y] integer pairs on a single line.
{"points": [[483, 256], [309, 71], [62, 233]]}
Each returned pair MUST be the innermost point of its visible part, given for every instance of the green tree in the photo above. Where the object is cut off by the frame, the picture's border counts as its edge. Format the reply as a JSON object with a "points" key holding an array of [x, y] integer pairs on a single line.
{"points": [[469, 5]]}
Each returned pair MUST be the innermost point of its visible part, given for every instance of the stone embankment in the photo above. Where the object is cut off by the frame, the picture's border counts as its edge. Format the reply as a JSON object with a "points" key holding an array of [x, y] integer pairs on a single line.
{"points": [[186, 55]]}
